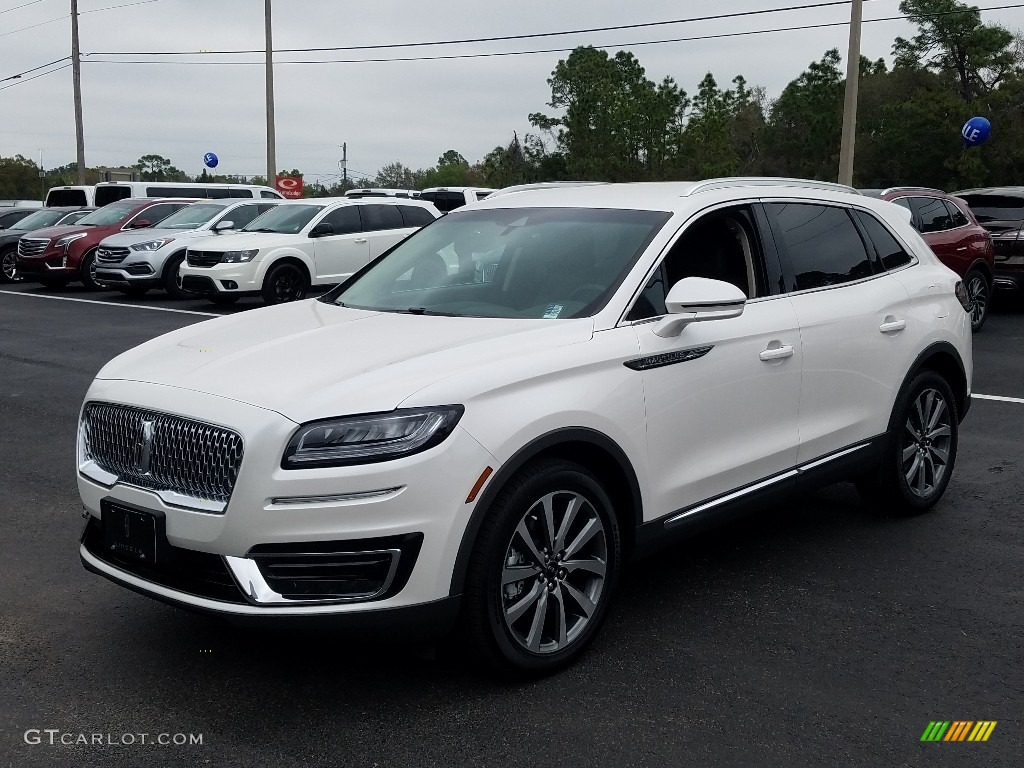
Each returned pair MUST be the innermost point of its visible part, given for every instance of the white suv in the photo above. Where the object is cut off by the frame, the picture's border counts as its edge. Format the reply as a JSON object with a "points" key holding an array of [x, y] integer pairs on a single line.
{"points": [[134, 262], [298, 244], [490, 421]]}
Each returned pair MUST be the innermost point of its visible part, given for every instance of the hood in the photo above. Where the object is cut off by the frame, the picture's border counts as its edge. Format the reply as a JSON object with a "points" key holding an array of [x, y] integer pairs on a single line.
{"points": [[59, 231], [310, 360], [124, 239], [12, 235], [241, 241]]}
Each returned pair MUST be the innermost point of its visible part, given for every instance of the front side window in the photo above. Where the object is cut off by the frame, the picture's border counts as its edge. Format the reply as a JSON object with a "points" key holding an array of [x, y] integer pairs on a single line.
{"points": [[344, 220], [157, 213], [284, 219], [890, 252], [932, 214], [115, 213], [822, 243], [191, 216], [240, 216], [539, 263]]}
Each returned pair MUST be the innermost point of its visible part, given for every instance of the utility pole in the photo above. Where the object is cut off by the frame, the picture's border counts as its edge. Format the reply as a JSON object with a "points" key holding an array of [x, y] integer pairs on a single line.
{"points": [[76, 76], [344, 164], [849, 142], [271, 135]]}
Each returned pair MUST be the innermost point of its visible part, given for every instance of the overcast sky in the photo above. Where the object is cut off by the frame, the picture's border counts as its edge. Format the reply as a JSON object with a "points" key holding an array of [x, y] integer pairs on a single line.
{"points": [[407, 111]]}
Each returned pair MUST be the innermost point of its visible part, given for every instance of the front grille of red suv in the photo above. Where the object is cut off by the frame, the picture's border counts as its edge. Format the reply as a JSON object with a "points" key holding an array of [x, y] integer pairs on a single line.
{"points": [[31, 246]]}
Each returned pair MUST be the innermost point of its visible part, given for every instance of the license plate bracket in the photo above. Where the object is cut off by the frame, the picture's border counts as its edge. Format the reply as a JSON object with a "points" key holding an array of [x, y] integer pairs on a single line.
{"points": [[135, 534]]}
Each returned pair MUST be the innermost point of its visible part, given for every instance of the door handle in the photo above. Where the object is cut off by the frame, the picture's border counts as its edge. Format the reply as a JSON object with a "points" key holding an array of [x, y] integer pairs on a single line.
{"points": [[892, 325], [777, 353], [961, 249], [360, 240]]}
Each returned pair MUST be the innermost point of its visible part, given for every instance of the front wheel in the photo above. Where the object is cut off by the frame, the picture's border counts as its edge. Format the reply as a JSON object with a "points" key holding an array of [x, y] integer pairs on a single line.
{"points": [[87, 272], [171, 278], [285, 282], [543, 570], [8, 259], [979, 295], [920, 451]]}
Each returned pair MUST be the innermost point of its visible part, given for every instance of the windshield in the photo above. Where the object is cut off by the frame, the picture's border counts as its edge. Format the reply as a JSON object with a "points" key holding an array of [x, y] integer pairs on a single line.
{"points": [[284, 219], [542, 263], [112, 214], [192, 216], [995, 207], [39, 219]]}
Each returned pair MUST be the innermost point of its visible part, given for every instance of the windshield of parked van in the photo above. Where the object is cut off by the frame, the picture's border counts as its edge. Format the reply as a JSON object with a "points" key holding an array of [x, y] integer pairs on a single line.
{"points": [[109, 215], [191, 216], [284, 219], [542, 263], [39, 219]]}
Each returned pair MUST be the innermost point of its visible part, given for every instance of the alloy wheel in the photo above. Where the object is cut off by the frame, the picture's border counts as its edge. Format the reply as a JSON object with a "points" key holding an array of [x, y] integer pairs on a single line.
{"points": [[554, 572], [927, 443], [8, 265], [288, 286], [977, 294]]}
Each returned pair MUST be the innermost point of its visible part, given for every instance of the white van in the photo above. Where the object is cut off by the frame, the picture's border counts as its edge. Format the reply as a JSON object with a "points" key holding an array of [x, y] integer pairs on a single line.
{"points": [[67, 197], [111, 191]]}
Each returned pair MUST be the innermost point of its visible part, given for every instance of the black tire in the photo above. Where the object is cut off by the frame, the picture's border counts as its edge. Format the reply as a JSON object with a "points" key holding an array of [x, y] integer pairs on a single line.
{"points": [[979, 291], [908, 480], [285, 282], [134, 291], [86, 272], [171, 278], [222, 300], [8, 257], [494, 624]]}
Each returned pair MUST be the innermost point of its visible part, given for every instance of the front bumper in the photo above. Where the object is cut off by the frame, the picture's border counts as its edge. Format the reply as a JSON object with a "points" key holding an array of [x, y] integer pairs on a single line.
{"points": [[52, 264], [228, 279], [240, 562]]}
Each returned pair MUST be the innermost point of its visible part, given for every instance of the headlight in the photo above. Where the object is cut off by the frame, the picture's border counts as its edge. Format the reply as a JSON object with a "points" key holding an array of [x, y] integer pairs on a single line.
{"points": [[237, 257], [152, 245], [370, 437], [67, 240]]}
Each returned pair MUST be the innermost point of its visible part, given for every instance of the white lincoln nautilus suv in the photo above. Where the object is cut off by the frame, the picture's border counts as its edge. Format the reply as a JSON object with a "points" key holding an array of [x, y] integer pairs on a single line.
{"points": [[480, 428]]}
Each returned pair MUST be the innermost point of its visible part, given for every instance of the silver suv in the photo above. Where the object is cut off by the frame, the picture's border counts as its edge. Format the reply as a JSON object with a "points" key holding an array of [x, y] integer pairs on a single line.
{"points": [[134, 262]]}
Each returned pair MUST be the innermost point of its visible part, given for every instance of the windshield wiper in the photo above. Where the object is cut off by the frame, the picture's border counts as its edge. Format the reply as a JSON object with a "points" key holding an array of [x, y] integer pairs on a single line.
{"points": [[425, 311], [263, 229]]}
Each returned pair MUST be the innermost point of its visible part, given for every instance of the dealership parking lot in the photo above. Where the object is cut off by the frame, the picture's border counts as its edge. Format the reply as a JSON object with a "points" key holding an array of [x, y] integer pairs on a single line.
{"points": [[814, 634]]}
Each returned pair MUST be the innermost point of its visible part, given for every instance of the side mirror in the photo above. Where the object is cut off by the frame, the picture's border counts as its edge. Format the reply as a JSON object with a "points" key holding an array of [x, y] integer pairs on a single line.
{"points": [[139, 224], [220, 226], [323, 229], [696, 300]]}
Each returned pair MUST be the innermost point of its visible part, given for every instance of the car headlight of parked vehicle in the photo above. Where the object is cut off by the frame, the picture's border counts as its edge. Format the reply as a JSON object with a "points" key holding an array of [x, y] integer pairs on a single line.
{"points": [[152, 245], [369, 437], [237, 257], [67, 240]]}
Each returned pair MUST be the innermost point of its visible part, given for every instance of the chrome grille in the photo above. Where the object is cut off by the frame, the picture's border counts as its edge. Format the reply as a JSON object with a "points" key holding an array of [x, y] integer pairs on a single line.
{"points": [[112, 255], [162, 452], [203, 258], [31, 246]]}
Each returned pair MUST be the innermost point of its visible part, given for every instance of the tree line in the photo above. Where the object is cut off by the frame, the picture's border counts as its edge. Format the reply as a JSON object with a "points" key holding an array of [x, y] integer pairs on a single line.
{"points": [[610, 122]]}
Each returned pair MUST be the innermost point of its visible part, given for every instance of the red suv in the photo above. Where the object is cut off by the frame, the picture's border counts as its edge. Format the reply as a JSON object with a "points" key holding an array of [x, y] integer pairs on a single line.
{"points": [[961, 243], [57, 256]]}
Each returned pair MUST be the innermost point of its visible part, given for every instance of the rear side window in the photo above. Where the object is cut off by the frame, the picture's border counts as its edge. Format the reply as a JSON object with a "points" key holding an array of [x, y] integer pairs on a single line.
{"points": [[236, 192], [932, 214], [956, 215], [890, 252], [378, 217], [173, 192], [822, 243], [414, 217], [107, 195], [270, 195]]}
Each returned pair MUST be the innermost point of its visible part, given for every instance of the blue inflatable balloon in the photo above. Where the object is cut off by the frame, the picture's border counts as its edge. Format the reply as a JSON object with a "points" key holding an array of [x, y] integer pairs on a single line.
{"points": [[976, 131], [210, 160]]}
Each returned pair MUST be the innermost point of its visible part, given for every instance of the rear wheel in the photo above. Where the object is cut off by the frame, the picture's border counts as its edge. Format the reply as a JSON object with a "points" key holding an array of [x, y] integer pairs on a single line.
{"points": [[8, 258], [920, 451], [171, 278], [285, 282], [87, 272], [543, 570], [979, 293]]}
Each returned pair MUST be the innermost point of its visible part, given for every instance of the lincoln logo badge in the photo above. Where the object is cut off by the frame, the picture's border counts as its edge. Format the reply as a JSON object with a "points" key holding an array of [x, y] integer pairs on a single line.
{"points": [[145, 445]]}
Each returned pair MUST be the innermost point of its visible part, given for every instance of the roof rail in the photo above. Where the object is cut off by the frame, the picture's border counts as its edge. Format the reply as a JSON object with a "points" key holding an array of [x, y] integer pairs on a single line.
{"points": [[890, 190], [767, 181]]}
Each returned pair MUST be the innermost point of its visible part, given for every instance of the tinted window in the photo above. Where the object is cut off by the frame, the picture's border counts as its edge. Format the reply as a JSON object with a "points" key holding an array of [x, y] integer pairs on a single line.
{"points": [[886, 246], [107, 195], [114, 213], [415, 217], [214, 193], [174, 192], [996, 207], [157, 213], [956, 215], [345, 220], [932, 214], [823, 245], [903, 202], [66, 197], [236, 192], [242, 215], [270, 195], [285, 219], [378, 217]]}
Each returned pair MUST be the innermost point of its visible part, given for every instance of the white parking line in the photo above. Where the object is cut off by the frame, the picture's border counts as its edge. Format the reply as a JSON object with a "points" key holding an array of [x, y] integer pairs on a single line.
{"points": [[1000, 398], [113, 304]]}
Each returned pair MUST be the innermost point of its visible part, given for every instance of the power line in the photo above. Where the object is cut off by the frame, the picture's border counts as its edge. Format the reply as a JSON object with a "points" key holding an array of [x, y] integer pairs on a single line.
{"points": [[27, 71], [18, 7], [36, 77], [502, 38], [441, 57], [81, 13]]}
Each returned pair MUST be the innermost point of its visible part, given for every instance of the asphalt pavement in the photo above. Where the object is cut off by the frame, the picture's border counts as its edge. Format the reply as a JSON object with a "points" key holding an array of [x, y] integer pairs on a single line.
{"points": [[813, 634]]}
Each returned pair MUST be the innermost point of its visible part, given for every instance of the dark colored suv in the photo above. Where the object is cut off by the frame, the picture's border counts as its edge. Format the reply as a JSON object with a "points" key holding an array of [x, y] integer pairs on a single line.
{"points": [[947, 224], [57, 256], [1000, 210]]}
